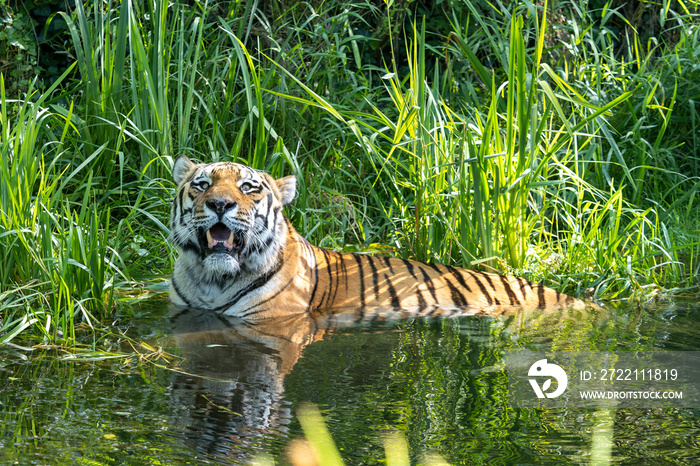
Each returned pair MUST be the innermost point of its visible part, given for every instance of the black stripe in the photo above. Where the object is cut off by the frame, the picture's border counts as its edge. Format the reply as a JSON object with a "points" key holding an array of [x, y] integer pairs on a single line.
{"points": [[224, 281], [256, 328], [461, 281], [457, 297], [343, 270], [540, 296], [252, 326], [224, 321], [276, 211], [523, 284], [200, 176], [268, 242], [266, 215], [323, 298], [487, 277], [387, 261], [421, 301], [361, 276], [395, 303], [409, 266], [193, 247], [183, 312], [190, 178], [436, 267], [375, 278], [258, 311], [509, 291], [180, 205], [330, 276], [310, 250], [179, 292], [429, 283], [481, 286], [315, 330], [261, 281], [338, 275], [419, 294]]}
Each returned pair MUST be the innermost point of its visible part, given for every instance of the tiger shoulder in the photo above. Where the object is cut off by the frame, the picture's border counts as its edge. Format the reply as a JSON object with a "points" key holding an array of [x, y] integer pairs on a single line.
{"points": [[238, 255]]}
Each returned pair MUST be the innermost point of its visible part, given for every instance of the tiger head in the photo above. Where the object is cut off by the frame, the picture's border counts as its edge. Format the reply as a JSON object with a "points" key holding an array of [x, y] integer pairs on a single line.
{"points": [[226, 218]]}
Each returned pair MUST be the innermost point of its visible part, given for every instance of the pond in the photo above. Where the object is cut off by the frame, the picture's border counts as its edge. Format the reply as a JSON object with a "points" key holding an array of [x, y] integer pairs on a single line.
{"points": [[236, 389]]}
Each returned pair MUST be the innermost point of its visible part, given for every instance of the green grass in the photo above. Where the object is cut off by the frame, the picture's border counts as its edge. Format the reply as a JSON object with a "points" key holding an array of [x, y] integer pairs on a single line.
{"points": [[531, 141]]}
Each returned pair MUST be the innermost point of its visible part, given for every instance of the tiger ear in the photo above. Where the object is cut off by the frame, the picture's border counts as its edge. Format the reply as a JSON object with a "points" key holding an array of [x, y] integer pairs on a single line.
{"points": [[181, 168], [288, 188]]}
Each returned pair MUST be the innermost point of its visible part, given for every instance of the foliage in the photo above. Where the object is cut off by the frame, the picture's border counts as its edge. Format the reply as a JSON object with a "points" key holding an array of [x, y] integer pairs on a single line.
{"points": [[554, 141], [55, 237], [18, 48]]}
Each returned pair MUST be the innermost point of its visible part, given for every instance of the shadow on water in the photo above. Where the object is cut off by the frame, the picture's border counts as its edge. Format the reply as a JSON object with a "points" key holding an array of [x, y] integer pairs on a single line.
{"points": [[440, 382]]}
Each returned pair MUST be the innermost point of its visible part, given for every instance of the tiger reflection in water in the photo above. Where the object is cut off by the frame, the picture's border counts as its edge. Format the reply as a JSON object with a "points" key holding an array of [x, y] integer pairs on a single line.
{"points": [[230, 397], [233, 383]]}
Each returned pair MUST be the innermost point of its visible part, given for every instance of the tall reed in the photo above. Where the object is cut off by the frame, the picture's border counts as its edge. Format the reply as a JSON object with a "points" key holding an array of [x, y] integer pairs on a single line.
{"points": [[54, 240]]}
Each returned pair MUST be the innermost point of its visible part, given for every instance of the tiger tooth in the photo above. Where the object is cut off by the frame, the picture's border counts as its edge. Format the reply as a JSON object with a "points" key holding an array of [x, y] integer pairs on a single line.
{"points": [[230, 240], [210, 240]]}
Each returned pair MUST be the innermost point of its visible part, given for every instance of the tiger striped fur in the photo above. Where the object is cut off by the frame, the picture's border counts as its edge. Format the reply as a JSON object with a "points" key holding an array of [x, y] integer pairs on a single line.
{"points": [[241, 257]]}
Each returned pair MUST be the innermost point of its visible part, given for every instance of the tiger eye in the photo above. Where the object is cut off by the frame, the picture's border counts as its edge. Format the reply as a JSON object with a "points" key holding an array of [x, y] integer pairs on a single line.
{"points": [[202, 185]]}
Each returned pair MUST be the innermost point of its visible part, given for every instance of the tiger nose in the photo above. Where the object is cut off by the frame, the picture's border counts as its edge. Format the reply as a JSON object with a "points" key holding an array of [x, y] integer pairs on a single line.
{"points": [[220, 206]]}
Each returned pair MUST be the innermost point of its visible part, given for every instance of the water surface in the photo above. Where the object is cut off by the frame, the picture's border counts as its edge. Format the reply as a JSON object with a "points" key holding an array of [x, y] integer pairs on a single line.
{"points": [[237, 388]]}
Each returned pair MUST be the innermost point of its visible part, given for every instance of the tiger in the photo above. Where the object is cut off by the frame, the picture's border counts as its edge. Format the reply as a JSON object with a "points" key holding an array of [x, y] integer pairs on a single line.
{"points": [[239, 256]]}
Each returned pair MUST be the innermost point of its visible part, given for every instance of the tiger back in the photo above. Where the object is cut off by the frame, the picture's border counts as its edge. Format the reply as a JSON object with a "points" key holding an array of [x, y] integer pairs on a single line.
{"points": [[240, 256]]}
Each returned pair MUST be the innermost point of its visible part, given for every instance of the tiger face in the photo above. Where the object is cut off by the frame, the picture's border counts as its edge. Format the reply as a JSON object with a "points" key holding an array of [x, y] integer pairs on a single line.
{"points": [[226, 219]]}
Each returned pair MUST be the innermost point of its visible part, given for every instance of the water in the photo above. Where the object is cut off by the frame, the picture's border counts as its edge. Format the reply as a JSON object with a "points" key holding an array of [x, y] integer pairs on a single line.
{"points": [[237, 388]]}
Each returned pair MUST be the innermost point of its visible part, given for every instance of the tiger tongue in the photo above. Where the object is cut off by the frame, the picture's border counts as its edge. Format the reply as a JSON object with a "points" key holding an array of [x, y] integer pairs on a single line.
{"points": [[220, 234]]}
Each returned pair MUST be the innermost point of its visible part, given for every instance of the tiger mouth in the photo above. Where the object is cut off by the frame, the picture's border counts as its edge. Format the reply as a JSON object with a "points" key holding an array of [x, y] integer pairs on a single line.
{"points": [[220, 239]]}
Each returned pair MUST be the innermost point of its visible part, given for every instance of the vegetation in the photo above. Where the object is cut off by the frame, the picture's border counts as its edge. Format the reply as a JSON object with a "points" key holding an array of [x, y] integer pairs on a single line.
{"points": [[553, 140], [319, 448]]}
